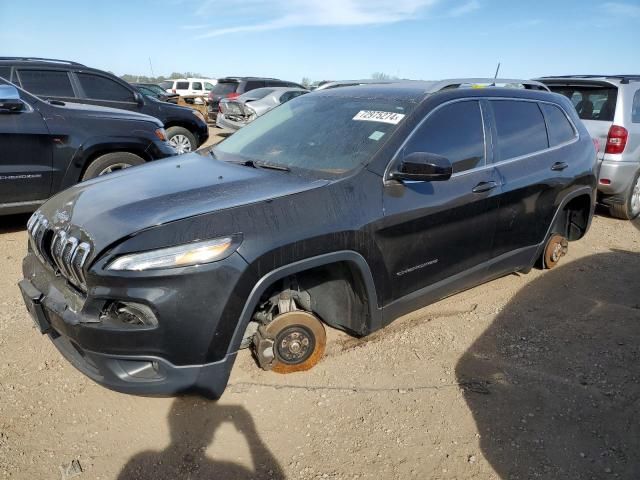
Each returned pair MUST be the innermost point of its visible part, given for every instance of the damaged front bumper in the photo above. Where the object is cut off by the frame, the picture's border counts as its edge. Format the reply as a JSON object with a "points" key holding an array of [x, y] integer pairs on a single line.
{"points": [[136, 360]]}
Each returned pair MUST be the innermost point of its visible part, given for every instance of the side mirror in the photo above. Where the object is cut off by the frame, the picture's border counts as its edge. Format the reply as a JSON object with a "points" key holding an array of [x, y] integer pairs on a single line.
{"points": [[10, 101], [138, 98], [423, 167]]}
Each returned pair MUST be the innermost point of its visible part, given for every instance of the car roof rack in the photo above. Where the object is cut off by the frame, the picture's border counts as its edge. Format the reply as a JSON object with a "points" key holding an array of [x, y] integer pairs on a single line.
{"points": [[491, 82], [622, 77], [38, 59]]}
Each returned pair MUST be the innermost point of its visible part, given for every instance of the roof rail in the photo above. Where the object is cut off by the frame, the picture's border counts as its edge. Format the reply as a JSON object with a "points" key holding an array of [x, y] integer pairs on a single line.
{"points": [[38, 59], [462, 82], [622, 77]]}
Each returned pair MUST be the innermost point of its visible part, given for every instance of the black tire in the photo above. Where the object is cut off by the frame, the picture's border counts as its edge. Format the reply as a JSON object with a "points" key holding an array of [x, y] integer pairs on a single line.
{"points": [[625, 210], [115, 160], [182, 140]]}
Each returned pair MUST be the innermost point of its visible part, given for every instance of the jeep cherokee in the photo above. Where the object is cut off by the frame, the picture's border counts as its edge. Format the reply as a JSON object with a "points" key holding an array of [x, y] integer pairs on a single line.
{"points": [[348, 207]]}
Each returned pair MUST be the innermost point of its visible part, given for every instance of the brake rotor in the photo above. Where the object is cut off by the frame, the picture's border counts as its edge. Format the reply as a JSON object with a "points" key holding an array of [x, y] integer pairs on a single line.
{"points": [[556, 248], [299, 341]]}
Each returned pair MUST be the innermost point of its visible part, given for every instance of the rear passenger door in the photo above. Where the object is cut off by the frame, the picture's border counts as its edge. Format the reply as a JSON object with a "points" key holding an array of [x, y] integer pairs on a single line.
{"points": [[532, 173], [101, 90], [442, 231]]}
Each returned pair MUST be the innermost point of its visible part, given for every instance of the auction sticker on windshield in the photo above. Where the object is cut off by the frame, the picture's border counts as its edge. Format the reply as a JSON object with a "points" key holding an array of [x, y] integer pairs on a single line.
{"points": [[378, 116]]}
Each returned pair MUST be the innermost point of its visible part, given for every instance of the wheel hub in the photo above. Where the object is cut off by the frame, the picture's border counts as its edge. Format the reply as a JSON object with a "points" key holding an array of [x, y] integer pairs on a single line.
{"points": [[556, 248], [294, 344]]}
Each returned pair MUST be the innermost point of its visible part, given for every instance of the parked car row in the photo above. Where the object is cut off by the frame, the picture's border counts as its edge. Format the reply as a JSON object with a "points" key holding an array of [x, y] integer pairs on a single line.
{"points": [[345, 207]]}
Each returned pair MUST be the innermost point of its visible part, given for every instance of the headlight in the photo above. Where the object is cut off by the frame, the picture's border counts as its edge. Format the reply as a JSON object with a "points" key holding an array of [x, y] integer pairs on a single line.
{"points": [[195, 253], [199, 115]]}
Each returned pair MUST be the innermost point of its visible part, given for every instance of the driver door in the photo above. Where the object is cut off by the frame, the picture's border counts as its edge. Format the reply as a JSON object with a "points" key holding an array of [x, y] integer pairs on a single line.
{"points": [[25, 151], [437, 235]]}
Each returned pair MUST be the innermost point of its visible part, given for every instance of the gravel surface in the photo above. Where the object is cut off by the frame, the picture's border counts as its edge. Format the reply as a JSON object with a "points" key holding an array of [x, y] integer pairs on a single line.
{"points": [[529, 376]]}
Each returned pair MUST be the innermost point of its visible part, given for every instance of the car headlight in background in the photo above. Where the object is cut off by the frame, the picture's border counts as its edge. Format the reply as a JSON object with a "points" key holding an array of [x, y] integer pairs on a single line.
{"points": [[161, 134], [190, 254], [199, 115]]}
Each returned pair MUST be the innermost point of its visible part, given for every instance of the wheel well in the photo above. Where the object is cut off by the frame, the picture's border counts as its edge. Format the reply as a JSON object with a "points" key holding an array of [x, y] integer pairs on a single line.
{"points": [[574, 219], [335, 292], [101, 152], [168, 125]]}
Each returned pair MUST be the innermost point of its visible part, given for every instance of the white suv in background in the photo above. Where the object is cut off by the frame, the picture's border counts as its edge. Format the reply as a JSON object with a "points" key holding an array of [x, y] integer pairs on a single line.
{"points": [[189, 86], [609, 106]]}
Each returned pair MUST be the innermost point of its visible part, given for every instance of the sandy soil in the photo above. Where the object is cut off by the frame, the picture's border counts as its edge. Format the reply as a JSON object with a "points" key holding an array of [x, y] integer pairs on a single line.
{"points": [[529, 376]]}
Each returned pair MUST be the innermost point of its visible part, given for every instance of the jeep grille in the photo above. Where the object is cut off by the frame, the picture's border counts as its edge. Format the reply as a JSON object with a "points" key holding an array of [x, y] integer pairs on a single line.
{"points": [[64, 253]]}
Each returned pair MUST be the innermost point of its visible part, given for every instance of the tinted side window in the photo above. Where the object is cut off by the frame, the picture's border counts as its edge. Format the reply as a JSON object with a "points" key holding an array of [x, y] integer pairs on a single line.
{"points": [[455, 131], [102, 88], [559, 129], [5, 72], [635, 108], [521, 128], [253, 84], [182, 86], [47, 83], [208, 86], [196, 86]]}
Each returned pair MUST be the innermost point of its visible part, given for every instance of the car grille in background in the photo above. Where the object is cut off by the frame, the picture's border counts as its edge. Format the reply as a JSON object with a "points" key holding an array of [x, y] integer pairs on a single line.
{"points": [[55, 247]]}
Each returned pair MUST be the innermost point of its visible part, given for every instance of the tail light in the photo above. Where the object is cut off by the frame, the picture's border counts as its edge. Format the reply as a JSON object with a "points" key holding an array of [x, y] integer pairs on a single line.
{"points": [[617, 139], [219, 108], [173, 90], [233, 95]]}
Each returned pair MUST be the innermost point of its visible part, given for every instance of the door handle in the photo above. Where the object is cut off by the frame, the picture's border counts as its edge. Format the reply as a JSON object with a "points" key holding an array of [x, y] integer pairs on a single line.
{"points": [[484, 187], [559, 166]]}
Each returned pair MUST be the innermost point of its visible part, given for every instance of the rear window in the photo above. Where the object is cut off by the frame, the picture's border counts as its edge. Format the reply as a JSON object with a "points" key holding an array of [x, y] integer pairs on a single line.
{"points": [[182, 85], [592, 102], [256, 94], [559, 128], [224, 88], [46, 83], [521, 128]]}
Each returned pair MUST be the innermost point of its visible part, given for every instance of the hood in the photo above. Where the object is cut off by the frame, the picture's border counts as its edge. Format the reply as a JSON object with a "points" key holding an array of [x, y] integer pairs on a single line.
{"points": [[109, 208], [95, 111]]}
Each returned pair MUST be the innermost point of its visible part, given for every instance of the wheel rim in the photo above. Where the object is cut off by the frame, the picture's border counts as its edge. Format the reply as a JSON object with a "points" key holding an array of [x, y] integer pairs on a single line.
{"points": [[113, 168], [181, 143], [635, 198]]}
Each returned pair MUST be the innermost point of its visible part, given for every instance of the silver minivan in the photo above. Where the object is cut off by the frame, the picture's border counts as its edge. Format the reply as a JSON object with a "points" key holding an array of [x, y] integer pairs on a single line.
{"points": [[609, 106]]}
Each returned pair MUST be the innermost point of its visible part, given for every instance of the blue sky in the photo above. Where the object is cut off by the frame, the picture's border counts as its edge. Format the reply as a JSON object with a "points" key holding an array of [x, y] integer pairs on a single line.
{"points": [[330, 39]]}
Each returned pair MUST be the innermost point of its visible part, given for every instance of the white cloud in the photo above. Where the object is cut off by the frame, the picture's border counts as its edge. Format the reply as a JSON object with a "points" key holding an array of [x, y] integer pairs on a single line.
{"points": [[470, 6], [622, 9], [278, 14]]}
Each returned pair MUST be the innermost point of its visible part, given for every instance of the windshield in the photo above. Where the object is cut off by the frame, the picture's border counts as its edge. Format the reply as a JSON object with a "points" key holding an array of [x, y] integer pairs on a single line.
{"points": [[324, 133]]}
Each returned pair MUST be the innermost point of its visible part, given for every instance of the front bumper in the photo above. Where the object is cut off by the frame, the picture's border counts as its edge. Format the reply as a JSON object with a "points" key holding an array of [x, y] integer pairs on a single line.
{"points": [[157, 150], [170, 359], [619, 173]]}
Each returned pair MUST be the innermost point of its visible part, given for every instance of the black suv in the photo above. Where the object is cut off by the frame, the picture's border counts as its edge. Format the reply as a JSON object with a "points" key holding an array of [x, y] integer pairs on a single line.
{"points": [[232, 87], [349, 206], [72, 82], [48, 146]]}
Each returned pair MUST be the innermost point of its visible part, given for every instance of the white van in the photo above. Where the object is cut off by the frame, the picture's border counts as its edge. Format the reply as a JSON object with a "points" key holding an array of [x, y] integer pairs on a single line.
{"points": [[189, 86]]}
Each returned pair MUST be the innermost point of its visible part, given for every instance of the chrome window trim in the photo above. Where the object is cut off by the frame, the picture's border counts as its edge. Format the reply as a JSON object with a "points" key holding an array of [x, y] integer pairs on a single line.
{"points": [[395, 158]]}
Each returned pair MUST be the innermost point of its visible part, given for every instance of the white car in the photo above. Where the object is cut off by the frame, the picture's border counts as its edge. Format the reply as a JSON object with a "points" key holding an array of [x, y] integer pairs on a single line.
{"points": [[189, 86]]}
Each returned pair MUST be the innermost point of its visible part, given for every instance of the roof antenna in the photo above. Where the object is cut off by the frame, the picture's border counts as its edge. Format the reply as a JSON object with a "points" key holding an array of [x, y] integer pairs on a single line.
{"points": [[496, 75]]}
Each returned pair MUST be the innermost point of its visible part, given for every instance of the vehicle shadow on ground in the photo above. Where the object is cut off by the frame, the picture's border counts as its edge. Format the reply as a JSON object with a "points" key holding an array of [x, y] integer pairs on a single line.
{"points": [[193, 423], [13, 223], [561, 364]]}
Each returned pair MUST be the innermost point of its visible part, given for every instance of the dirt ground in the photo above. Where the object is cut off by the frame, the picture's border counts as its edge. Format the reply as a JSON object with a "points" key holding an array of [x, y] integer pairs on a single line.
{"points": [[529, 376]]}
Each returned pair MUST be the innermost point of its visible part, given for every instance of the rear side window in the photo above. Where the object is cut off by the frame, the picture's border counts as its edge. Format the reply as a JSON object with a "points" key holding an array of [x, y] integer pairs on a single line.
{"points": [[5, 72], [101, 88], [521, 128], [46, 83], [592, 102], [454, 131], [291, 95], [635, 108], [196, 86], [253, 84], [182, 86], [559, 128]]}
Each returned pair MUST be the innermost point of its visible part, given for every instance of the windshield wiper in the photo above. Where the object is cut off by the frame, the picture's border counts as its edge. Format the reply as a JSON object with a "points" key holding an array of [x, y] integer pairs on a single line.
{"points": [[254, 164]]}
